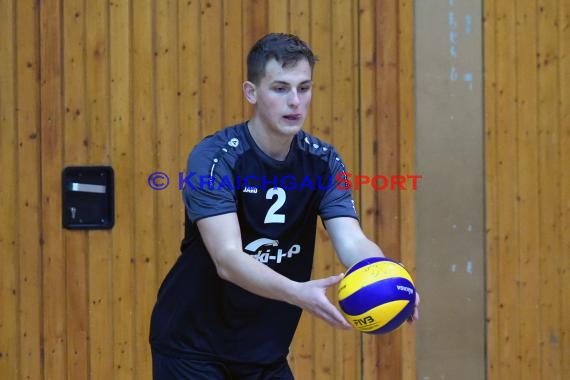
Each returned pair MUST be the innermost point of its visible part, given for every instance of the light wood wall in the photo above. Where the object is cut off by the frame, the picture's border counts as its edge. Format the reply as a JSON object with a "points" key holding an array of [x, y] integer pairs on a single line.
{"points": [[527, 102], [135, 84]]}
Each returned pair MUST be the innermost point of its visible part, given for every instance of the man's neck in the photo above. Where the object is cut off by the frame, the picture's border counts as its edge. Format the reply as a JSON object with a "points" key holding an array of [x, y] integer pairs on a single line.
{"points": [[274, 145]]}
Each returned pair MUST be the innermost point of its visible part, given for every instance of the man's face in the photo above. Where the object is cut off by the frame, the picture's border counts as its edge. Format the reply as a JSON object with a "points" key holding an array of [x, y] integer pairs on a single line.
{"points": [[283, 96]]}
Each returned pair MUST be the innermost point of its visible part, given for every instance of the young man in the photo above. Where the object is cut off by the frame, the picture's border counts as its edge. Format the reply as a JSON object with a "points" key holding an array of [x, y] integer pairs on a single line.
{"points": [[229, 307]]}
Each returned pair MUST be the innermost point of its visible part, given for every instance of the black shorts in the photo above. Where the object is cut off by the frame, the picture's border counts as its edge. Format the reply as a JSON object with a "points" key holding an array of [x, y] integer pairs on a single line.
{"points": [[171, 368]]}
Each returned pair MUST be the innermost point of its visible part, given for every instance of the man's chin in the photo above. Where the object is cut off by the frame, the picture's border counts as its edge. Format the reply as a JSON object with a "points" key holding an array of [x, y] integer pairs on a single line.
{"points": [[292, 127], [291, 130]]}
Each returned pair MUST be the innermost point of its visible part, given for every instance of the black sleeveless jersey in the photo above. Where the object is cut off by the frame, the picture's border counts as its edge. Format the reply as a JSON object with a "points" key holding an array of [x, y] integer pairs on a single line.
{"points": [[277, 203]]}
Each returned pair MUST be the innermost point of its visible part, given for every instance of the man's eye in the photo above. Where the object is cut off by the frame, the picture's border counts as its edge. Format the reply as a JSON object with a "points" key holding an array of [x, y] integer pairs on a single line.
{"points": [[280, 89], [304, 88]]}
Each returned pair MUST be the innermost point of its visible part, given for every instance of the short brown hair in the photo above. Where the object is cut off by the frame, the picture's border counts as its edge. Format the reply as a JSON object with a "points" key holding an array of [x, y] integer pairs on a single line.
{"points": [[286, 49]]}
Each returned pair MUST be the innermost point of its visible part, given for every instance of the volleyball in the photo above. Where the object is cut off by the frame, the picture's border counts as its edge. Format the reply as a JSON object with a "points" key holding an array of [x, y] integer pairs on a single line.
{"points": [[377, 295]]}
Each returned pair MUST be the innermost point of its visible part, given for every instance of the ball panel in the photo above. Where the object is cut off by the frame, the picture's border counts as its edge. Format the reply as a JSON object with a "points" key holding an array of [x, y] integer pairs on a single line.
{"points": [[370, 274], [378, 317], [365, 262], [380, 292], [397, 321]]}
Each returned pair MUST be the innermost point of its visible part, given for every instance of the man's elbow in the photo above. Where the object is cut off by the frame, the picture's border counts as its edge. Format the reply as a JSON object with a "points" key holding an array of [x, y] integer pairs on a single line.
{"points": [[223, 272], [223, 261]]}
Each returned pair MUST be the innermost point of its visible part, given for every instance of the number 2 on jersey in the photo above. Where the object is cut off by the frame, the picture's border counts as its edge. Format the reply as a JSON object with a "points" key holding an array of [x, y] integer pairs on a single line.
{"points": [[272, 215]]}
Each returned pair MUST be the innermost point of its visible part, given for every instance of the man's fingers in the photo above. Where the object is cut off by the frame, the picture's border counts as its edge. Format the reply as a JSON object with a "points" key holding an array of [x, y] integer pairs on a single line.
{"points": [[332, 280], [335, 318]]}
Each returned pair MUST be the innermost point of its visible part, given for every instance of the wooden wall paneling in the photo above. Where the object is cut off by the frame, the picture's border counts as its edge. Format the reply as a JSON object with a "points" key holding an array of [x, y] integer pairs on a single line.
{"points": [[301, 354], [9, 290], [367, 197], [320, 41], [233, 65], [99, 254], [75, 143], [405, 22], [255, 17], [300, 16], [189, 82], [527, 260], [508, 269], [122, 156], [146, 266], [211, 66], [28, 174], [491, 194], [564, 143], [344, 112], [278, 16], [549, 188], [169, 230], [389, 346], [527, 193], [52, 239]]}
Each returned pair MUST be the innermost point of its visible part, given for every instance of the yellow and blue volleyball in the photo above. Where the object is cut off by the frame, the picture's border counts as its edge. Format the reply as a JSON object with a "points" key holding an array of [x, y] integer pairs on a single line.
{"points": [[377, 295]]}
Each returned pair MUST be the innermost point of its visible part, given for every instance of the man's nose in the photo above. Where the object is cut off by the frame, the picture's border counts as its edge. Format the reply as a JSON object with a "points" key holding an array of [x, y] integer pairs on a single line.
{"points": [[294, 98]]}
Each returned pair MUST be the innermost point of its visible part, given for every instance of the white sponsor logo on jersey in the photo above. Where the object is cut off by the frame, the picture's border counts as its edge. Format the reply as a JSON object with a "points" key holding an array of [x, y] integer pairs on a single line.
{"points": [[265, 250]]}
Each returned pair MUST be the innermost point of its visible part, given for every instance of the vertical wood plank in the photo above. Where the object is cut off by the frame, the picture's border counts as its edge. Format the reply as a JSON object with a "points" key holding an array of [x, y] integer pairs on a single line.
{"points": [[168, 201], [99, 249], [75, 142], [300, 15], [189, 84], [122, 136], [527, 165], [53, 253], [255, 17], [368, 149], [211, 66], [405, 32], [344, 139], [233, 64], [27, 72], [168, 211], [540, 198], [389, 346], [146, 281], [508, 270], [9, 287], [549, 188], [278, 16], [320, 40], [564, 110], [491, 155]]}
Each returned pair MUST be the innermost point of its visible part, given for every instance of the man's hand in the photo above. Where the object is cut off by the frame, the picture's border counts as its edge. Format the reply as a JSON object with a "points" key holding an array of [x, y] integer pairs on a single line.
{"points": [[416, 315], [311, 296]]}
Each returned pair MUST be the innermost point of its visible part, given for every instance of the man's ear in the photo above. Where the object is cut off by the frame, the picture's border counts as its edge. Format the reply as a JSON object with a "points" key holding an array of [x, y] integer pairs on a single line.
{"points": [[250, 92]]}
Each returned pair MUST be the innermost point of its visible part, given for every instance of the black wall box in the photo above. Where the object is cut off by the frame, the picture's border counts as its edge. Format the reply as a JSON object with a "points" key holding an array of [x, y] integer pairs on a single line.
{"points": [[88, 197]]}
